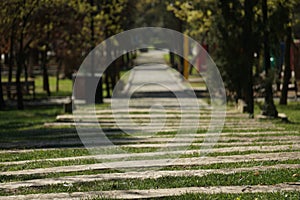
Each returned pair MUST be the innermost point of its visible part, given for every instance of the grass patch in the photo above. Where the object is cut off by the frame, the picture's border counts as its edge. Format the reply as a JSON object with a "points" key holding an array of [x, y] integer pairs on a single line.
{"points": [[46, 164], [24, 177], [269, 177], [214, 154], [43, 154], [245, 196], [16, 123], [65, 87], [87, 161], [10, 178], [71, 152], [231, 165]]}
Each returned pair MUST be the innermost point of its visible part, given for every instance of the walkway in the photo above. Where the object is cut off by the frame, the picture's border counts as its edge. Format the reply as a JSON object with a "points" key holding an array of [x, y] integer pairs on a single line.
{"points": [[154, 154]]}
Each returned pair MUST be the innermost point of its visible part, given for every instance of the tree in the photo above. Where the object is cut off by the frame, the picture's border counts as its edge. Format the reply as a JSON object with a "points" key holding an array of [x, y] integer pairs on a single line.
{"points": [[287, 69], [26, 10], [269, 108], [238, 29], [248, 51], [286, 11], [2, 103]]}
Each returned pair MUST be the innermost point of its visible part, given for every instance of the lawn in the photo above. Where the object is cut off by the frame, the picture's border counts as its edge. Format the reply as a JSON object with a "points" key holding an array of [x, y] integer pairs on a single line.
{"points": [[29, 125]]}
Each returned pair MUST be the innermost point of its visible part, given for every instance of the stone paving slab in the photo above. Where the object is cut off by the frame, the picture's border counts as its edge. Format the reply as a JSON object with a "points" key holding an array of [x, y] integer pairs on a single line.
{"points": [[159, 113], [139, 175], [167, 124], [151, 154], [174, 122], [168, 119], [155, 193], [169, 128], [209, 144], [144, 136], [282, 156], [75, 142], [147, 111], [16, 151], [98, 141]]}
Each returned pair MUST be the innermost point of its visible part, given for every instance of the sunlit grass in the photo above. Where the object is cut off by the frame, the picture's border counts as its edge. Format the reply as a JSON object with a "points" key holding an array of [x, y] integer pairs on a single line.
{"points": [[268, 177]]}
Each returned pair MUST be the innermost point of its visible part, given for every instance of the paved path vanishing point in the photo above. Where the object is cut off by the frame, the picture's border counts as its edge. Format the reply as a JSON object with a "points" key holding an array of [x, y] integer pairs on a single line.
{"points": [[143, 130]]}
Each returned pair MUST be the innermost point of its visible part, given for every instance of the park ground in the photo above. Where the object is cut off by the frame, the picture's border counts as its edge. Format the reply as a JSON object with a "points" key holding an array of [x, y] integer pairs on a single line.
{"points": [[42, 157]]}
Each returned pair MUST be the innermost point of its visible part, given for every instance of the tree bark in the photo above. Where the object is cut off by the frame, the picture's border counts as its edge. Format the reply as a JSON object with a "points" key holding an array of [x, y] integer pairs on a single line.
{"points": [[11, 60], [287, 68], [57, 73], [2, 103], [99, 91], [106, 79], [26, 76], [20, 63], [46, 85], [269, 108], [248, 56], [172, 59]]}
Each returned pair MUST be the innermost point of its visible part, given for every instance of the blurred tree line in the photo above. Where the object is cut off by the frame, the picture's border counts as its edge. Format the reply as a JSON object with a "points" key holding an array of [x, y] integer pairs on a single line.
{"points": [[32, 29], [241, 36]]}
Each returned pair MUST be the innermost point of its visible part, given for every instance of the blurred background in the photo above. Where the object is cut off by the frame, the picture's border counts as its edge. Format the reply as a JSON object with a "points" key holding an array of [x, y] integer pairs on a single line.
{"points": [[253, 42]]}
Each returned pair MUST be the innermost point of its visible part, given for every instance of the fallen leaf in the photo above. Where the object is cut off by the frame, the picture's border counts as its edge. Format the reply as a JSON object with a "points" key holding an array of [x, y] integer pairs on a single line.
{"points": [[256, 173]]}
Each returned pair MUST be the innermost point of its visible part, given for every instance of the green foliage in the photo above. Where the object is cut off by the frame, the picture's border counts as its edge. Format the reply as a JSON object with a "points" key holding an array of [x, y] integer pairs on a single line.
{"points": [[221, 25]]}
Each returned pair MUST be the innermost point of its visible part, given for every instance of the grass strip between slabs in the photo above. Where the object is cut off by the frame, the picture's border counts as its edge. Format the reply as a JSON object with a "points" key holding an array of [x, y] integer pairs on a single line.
{"points": [[48, 164], [283, 195], [10, 178], [246, 196], [269, 177]]}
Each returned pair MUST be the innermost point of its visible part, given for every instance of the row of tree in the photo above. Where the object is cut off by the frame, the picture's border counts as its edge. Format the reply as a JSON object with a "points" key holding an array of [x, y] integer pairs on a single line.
{"points": [[238, 30], [67, 29], [234, 31]]}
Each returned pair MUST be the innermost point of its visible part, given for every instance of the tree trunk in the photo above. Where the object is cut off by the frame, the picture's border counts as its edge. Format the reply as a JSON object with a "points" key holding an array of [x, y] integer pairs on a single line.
{"points": [[99, 92], [11, 61], [46, 85], [106, 79], [57, 74], [20, 63], [172, 59], [248, 56], [26, 77], [269, 106], [287, 69], [2, 103]]}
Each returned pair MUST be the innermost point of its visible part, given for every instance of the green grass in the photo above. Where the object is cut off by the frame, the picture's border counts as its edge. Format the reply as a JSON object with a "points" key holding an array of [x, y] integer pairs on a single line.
{"points": [[231, 165], [43, 154], [14, 122], [48, 164], [28, 125], [291, 110], [69, 152], [268, 177], [65, 87], [245, 196], [214, 154], [9, 178]]}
